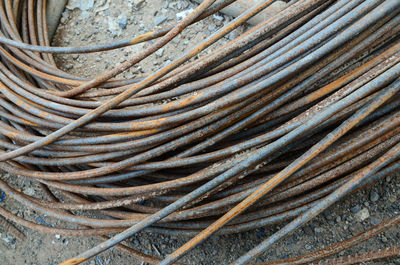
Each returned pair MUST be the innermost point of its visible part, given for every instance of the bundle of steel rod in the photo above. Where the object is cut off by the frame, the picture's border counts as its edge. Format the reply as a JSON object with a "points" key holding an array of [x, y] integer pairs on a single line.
{"points": [[274, 126]]}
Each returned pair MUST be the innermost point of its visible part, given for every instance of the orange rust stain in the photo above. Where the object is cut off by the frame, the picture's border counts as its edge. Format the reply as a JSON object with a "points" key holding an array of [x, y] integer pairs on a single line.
{"points": [[43, 115], [135, 133], [28, 122], [20, 103], [11, 134], [73, 261]]}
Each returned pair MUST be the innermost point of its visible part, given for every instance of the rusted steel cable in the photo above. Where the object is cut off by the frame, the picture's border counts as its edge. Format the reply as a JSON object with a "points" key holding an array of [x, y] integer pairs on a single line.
{"points": [[294, 108]]}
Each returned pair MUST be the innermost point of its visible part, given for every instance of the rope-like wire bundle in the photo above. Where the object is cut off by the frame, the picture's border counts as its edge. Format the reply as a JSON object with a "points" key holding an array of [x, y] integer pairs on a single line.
{"points": [[303, 108]]}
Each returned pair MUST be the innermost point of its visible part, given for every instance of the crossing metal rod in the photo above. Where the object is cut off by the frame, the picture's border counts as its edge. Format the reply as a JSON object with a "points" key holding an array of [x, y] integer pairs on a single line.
{"points": [[281, 176], [329, 200]]}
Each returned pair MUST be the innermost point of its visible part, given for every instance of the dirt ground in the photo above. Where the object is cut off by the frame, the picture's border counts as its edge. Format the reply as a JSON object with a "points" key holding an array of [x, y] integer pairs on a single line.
{"points": [[106, 21]]}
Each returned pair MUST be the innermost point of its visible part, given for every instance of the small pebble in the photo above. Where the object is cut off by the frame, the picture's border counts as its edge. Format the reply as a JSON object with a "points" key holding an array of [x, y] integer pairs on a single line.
{"points": [[167, 62], [160, 52], [374, 196], [375, 221], [183, 4], [356, 229], [318, 230], [136, 243], [218, 17], [211, 28], [355, 209], [363, 214], [123, 22], [64, 20], [308, 230], [29, 191], [69, 66], [233, 35], [183, 14], [139, 3], [159, 20], [165, 5], [393, 198], [86, 5], [85, 15], [331, 222]]}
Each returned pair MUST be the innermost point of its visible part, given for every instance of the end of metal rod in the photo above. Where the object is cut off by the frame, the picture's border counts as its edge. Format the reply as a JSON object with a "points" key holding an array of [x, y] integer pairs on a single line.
{"points": [[54, 10]]}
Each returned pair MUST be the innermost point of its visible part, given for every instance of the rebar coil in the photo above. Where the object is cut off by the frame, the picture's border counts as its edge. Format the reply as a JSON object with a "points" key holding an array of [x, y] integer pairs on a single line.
{"points": [[303, 107]]}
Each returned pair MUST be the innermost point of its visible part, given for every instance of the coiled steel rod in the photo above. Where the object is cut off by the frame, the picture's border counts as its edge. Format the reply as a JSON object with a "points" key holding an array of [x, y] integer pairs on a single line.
{"points": [[303, 108]]}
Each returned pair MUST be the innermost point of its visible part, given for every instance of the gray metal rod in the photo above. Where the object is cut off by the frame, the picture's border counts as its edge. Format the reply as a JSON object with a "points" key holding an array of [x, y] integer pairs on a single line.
{"points": [[241, 6], [54, 10]]}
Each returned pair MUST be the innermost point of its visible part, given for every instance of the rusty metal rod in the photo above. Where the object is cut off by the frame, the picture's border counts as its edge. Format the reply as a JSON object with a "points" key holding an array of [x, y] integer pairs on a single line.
{"points": [[197, 138]]}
